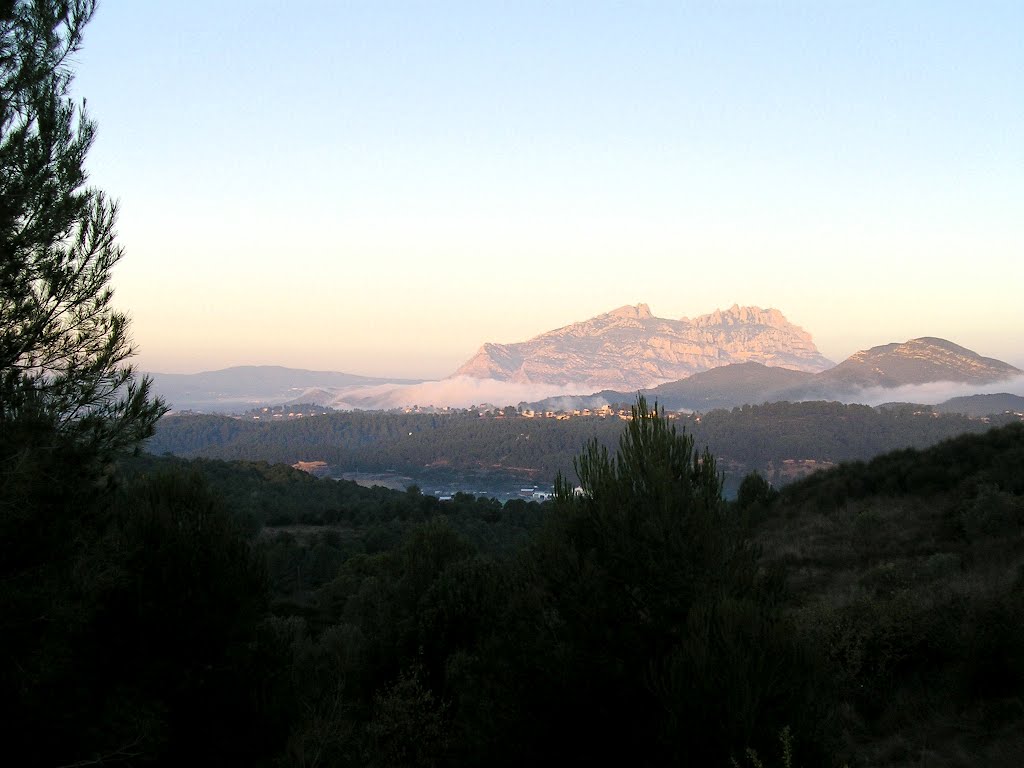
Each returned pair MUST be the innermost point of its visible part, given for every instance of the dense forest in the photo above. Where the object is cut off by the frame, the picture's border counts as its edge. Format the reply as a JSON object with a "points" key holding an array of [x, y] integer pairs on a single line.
{"points": [[250, 613], [760, 438]]}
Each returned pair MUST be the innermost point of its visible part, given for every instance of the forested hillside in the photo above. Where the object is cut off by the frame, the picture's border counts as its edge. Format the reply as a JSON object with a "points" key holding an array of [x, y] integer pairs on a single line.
{"points": [[869, 615], [744, 439], [906, 573]]}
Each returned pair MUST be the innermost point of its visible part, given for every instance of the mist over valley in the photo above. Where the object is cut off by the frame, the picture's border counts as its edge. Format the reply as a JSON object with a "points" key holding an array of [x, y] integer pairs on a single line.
{"points": [[742, 355]]}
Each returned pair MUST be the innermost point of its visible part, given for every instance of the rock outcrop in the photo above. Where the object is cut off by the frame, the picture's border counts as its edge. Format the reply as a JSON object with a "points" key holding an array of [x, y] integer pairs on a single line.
{"points": [[630, 348]]}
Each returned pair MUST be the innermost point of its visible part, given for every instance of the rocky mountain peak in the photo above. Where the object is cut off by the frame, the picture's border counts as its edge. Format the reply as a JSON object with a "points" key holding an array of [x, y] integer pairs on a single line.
{"points": [[737, 315], [637, 312], [630, 347]]}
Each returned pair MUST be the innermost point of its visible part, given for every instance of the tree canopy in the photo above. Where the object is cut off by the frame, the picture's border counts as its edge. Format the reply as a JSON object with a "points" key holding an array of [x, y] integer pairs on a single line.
{"points": [[63, 347]]}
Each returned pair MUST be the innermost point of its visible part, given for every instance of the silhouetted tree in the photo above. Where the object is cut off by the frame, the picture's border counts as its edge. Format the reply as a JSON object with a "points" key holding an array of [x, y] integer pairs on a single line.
{"points": [[69, 399], [63, 348], [755, 491], [659, 640]]}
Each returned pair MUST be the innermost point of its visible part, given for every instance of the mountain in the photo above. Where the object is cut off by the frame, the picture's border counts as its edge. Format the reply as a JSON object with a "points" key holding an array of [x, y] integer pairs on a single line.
{"points": [[724, 387], [743, 355], [924, 361], [728, 386], [915, 362], [918, 361], [629, 349], [983, 405], [247, 385]]}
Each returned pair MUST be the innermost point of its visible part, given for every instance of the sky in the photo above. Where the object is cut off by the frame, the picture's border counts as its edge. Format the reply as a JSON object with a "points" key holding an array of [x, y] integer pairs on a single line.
{"points": [[381, 187]]}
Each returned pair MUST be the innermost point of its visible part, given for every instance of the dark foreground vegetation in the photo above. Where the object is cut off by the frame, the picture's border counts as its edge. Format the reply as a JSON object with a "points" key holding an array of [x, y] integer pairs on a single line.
{"points": [[173, 612]]}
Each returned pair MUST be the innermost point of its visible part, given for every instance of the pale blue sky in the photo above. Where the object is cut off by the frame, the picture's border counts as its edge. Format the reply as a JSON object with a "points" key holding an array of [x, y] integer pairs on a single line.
{"points": [[381, 187]]}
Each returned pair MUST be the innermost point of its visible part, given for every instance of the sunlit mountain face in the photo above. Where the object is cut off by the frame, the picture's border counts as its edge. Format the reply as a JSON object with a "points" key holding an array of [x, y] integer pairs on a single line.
{"points": [[630, 348], [725, 358]]}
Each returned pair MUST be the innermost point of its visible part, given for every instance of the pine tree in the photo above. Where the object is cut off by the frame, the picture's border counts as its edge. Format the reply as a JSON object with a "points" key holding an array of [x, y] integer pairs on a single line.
{"points": [[69, 400], [64, 375], [669, 643]]}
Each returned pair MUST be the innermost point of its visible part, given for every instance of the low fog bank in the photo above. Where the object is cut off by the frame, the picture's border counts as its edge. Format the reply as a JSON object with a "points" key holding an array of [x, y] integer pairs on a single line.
{"points": [[464, 391], [454, 392], [934, 392]]}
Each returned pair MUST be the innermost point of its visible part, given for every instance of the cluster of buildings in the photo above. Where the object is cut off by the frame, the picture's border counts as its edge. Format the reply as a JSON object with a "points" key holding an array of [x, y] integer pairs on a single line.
{"points": [[286, 413], [605, 411]]}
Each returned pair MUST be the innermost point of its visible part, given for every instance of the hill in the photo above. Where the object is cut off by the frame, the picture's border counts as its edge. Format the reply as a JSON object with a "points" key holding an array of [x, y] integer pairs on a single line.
{"points": [[983, 405], [783, 440], [906, 572], [727, 386], [918, 361], [857, 379]]}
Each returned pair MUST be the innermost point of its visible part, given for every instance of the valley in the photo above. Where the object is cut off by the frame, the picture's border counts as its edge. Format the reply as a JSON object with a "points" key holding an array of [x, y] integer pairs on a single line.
{"points": [[497, 452]]}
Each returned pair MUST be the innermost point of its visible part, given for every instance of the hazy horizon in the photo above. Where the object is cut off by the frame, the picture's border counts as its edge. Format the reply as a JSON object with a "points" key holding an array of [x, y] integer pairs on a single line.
{"points": [[193, 369], [381, 188]]}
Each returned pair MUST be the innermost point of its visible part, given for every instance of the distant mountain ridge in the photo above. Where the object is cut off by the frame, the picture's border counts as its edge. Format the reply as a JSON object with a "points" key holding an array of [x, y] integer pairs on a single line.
{"points": [[918, 361], [738, 356], [246, 385], [926, 360], [983, 405], [629, 347], [729, 385]]}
